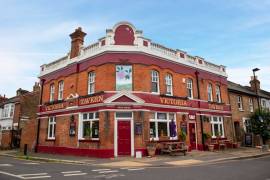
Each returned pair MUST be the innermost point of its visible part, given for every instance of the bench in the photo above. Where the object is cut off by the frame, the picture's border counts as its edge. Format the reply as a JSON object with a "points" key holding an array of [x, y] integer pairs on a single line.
{"points": [[173, 148]]}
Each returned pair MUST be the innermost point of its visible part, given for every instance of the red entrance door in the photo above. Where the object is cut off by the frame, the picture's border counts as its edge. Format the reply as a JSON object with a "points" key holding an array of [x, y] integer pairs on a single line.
{"points": [[192, 135], [124, 138]]}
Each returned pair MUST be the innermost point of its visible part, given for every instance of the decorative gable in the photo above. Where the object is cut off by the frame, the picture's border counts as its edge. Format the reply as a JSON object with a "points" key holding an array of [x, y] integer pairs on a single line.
{"points": [[124, 96]]}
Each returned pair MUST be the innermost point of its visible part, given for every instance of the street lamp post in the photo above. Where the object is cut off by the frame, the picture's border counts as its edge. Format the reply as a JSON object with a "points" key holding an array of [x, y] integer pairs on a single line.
{"points": [[256, 90]]}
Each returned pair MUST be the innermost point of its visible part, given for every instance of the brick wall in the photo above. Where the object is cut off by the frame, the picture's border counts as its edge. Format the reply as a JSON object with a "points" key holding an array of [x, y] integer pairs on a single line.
{"points": [[105, 81]]}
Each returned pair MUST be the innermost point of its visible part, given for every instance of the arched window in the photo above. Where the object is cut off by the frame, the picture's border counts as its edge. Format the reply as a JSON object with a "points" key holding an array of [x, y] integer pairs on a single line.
{"points": [[189, 88], [154, 81], [52, 89], [210, 92], [60, 90], [218, 94], [91, 82], [168, 82]]}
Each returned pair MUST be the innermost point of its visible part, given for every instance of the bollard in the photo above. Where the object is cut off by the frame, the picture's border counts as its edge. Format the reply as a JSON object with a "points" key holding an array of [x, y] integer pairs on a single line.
{"points": [[25, 150]]}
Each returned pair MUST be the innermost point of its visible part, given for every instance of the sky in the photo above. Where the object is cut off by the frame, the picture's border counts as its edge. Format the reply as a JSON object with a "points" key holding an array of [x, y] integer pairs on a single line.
{"points": [[228, 32]]}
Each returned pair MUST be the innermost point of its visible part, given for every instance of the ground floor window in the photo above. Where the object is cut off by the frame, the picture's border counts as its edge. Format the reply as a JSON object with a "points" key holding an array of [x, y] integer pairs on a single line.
{"points": [[89, 125], [217, 126], [247, 125], [51, 128], [162, 125]]}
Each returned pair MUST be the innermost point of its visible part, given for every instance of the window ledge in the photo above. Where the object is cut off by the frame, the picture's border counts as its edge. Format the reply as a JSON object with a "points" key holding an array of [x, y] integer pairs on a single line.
{"points": [[241, 110], [50, 139], [89, 140]]}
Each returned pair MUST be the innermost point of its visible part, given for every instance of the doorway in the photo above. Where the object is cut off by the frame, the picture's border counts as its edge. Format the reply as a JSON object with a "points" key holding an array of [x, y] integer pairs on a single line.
{"points": [[192, 135], [124, 137]]}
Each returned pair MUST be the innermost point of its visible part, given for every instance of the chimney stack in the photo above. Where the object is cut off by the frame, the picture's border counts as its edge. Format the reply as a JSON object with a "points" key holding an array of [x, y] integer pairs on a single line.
{"points": [[36, 87], [254, 84], [77, 39]]}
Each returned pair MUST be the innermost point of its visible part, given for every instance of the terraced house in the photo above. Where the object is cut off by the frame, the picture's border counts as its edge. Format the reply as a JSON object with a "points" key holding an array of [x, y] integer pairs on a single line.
{"points": [[114, 96]]}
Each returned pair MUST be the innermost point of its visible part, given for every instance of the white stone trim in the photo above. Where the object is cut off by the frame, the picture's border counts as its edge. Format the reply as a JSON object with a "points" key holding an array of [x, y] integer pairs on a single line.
{"points": [[124, 93]]}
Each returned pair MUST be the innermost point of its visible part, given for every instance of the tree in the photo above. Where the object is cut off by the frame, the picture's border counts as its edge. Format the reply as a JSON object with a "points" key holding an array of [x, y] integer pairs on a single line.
{"points": [[260, 123]]}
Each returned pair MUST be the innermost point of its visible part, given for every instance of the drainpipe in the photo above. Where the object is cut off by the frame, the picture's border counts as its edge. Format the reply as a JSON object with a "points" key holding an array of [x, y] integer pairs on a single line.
{"points": [[38, 125], [199, 97]]}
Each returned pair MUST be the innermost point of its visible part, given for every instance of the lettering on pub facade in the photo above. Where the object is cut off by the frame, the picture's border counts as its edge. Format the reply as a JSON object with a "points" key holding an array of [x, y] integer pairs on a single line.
{"points": [[126, 85]]}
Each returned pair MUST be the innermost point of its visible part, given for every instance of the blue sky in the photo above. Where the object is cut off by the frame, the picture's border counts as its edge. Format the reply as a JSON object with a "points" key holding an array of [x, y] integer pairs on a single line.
{"points": [[233, 33]]}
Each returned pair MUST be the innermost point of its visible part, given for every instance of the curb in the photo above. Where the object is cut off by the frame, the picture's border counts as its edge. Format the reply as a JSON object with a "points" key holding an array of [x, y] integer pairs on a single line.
{"points": [[34, 158]]}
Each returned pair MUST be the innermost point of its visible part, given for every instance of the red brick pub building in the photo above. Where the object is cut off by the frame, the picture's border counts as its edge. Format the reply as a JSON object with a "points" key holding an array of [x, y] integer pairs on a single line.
{"points": [[114, 96]]}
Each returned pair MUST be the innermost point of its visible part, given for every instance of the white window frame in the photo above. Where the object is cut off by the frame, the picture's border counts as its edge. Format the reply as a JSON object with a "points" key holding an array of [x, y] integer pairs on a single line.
{"points": [[8, 111], [250, 101], [61, 90], [91, 82], [210, 92], [189, 88], [240, 102], [52, 91], [51, 121], [91, 120], [218, 93], [169, 84], [245, 121], [155, 79], [220, 124], [156, 121], [263, 103]]}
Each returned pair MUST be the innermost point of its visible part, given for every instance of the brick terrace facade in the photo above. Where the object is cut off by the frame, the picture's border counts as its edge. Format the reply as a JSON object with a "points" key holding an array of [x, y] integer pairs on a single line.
{"points": [[114, 96]]}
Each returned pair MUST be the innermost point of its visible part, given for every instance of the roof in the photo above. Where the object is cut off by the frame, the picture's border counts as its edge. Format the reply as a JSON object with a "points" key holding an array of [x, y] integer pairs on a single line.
{"points": [[10, 100], [237, 88]]}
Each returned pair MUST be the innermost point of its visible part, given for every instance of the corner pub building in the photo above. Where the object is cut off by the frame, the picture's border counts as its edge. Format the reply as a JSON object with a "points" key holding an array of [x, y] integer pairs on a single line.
{"points": [[114, 96]]}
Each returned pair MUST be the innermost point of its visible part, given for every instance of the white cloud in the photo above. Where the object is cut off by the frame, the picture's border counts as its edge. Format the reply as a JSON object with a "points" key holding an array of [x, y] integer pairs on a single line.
{"points": [[242, 75]]}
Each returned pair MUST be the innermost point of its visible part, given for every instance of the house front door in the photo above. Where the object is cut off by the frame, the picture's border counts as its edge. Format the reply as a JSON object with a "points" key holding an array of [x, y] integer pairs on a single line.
{"points": [[124, 137], [192, 135]]}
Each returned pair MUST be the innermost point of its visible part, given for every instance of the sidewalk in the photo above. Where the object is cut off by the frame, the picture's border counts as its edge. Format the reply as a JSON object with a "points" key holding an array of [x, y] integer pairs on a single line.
{"points": [[194, 157]]}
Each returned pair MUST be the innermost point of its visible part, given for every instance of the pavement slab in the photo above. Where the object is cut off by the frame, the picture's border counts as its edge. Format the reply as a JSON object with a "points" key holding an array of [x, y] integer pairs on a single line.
{"points": [[184, 162]]}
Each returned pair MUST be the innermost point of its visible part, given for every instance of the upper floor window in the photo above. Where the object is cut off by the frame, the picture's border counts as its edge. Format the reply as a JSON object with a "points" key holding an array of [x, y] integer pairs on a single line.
{"points": [[52, 89], [123, 77], [240, 103], [169, 85], [91, 82], [8, 111], [218, 94], [60, 90], [51, 128], [250, 101], [154, 81], [210, 92], [189, 88]]}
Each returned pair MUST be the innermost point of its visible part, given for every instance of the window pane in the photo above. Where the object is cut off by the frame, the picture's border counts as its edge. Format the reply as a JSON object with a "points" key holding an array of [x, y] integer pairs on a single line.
{"points": [[216, 131], [91, 115], [161, 116], [162, 129], [171, 116], [50, 130], [97, 115], [86, 129], [124, 114], [85, 116], [221, 130], [95, 129], [152, 115], [154, 87], [152, 130]]}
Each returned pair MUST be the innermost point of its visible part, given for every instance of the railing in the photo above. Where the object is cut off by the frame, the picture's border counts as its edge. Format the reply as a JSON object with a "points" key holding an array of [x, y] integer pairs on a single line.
{"points": [[164, 50], [91, 48], [154, 47]]}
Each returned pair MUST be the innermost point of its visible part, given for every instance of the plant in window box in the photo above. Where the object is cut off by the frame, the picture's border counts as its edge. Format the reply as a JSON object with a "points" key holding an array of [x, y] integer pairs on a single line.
{"points": [[182, 136], [151, 148], [87, 133]]}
